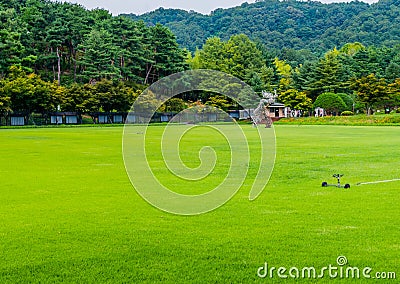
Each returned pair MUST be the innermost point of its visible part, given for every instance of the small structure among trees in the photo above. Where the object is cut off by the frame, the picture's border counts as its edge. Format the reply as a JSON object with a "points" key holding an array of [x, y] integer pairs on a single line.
{"points": [[56, 118], [103, 118], [118, 117], [277, 111], [17, 120], [109, 117], [65, 118], [246, 113], [71, 118]]}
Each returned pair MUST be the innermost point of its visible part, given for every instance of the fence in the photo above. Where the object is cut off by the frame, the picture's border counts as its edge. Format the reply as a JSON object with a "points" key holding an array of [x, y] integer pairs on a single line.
{"points": [[59, 118]]}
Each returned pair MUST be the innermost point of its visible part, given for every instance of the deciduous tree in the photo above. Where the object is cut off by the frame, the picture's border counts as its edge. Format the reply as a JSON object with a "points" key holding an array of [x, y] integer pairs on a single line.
{"points": [[295, 100], [371, 91]]}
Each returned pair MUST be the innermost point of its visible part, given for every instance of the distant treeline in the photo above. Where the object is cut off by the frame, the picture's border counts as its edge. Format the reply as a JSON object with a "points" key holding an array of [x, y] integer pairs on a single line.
{"points": [[293, 24]]}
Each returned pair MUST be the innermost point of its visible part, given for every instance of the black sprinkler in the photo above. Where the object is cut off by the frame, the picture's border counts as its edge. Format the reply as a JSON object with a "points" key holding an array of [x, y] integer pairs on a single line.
{"points": [[337, 176]]}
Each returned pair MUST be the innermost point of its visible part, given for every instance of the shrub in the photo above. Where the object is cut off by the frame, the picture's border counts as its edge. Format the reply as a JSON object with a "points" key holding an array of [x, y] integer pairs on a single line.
{"points": [[330, 102], [347, 100], [347, 113]]}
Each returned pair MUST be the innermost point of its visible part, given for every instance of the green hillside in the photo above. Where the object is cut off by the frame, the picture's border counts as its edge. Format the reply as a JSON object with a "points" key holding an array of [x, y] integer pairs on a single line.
{"points": [[291, 24]]}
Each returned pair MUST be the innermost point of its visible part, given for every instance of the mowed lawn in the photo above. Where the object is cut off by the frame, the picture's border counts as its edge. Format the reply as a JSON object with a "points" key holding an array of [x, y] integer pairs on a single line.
{"points": [[68, 212]]}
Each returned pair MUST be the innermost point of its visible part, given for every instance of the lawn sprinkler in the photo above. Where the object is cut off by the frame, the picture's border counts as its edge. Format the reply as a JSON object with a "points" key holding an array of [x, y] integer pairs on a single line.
{"points": [[337, 176]]}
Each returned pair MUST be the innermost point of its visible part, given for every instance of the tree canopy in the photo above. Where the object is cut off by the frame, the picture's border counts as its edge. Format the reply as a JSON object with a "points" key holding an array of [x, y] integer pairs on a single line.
{"points": [[68, 43], [293, 24]]}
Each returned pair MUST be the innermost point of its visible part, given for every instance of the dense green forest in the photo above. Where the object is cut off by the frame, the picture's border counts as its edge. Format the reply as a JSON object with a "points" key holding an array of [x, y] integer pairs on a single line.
{"points": [[287, 24], [61, 56], [361, 78], [65, 40], [43, 41]]}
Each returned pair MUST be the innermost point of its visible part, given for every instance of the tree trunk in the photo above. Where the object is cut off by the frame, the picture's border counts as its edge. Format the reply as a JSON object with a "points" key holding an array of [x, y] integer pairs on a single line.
{"points": [[122, 65], [54, 69], [58, 66], [148, 74], [75, 67], [74, 59], [54, 72]]}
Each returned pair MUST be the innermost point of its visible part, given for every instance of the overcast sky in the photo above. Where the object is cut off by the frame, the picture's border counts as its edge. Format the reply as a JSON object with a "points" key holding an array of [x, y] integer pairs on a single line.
{"points": [[142, 6]]}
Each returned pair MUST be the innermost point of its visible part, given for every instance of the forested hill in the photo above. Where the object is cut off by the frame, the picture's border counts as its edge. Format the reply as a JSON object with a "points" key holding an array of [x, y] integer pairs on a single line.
{"points": [[291, 24]]}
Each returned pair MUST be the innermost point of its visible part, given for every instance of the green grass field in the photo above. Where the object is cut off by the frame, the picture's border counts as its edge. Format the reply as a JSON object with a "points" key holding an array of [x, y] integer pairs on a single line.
{"points": [[68, 212]]}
